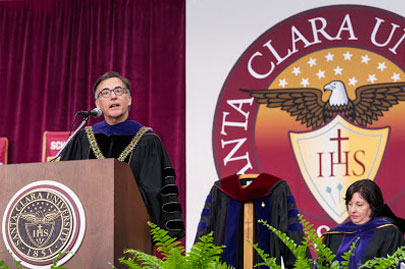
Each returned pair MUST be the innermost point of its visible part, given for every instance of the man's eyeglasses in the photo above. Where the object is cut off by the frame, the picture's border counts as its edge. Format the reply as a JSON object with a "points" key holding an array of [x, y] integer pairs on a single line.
{"points": [[105, 93]]}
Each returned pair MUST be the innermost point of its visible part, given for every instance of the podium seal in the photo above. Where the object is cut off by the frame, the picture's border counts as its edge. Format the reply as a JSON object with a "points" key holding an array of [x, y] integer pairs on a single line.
{"points": [[43, 219]]}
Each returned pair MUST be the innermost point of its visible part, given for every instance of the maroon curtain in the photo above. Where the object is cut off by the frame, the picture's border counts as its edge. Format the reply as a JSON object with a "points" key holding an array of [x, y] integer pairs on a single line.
{"points": [[52, 51]]}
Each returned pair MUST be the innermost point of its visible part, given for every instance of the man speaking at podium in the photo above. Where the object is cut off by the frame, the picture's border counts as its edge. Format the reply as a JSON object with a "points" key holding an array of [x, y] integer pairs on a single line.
{"points": [[130, 142]]}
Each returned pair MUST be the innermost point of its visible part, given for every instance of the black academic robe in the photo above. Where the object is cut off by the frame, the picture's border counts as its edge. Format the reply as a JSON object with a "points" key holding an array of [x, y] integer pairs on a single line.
{"points": [[378, 238], [150, 166], [273, 202]]}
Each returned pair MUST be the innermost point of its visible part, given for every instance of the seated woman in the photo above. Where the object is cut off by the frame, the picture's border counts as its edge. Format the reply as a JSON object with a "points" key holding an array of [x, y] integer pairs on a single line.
{"points": [[378, 237]]}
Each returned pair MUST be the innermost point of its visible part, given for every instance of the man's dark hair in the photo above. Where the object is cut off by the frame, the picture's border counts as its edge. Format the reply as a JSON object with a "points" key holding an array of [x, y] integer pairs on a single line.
{"points": [[112, 75], [370, 192]]}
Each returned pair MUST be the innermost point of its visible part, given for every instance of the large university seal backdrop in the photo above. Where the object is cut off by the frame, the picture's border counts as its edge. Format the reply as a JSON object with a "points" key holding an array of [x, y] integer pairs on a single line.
{"points": [[318, 100], [43, 219]]}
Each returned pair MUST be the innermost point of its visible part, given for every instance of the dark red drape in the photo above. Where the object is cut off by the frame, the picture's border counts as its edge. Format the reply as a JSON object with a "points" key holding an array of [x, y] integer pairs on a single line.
{"points": [[52, 51]]}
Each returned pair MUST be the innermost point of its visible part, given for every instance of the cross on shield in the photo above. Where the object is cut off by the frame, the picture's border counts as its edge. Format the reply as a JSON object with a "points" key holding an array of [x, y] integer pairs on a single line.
{"points": [[334, 156], [39, 234]]}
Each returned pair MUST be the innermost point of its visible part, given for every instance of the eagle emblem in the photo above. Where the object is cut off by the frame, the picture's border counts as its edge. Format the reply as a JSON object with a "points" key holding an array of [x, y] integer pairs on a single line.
{"points": [[307, 106], [40, 217], [39, 226], [341, 148]]}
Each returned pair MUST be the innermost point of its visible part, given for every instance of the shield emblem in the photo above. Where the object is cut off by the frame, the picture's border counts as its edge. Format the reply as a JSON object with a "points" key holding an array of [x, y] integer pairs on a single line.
{"points": [[336, 155], [39, 234]]}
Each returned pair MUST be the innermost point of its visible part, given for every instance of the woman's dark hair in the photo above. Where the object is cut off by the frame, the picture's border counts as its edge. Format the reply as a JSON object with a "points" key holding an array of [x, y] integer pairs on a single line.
{"points": [[370, 192]]}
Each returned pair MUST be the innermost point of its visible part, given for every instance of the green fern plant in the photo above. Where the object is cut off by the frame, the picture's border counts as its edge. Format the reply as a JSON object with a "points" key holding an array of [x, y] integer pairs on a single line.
{"points": [[391, 261], [267, 260], [57, 259], [3, 264], [325, 257], [171, 249], [204, 254]]}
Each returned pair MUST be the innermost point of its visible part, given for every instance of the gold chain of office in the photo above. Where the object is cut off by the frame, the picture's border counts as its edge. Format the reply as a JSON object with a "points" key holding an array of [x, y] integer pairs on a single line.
{"points": [[124, 154]]}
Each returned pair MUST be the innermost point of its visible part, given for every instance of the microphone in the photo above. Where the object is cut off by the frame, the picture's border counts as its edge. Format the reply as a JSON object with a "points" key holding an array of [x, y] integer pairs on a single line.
{"points": [[95, 112]]}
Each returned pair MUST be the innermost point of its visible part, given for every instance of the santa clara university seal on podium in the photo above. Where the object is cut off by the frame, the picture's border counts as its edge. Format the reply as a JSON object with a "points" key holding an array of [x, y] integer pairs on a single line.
{"points": [[43, 219]]}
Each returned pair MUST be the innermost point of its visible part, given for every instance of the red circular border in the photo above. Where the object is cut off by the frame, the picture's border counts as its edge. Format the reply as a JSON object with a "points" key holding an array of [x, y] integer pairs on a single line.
{"points": [[239, 77]]}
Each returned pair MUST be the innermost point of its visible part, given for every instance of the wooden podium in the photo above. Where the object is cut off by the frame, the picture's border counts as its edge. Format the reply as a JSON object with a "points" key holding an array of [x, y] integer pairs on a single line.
{"points": [[115, 214]]}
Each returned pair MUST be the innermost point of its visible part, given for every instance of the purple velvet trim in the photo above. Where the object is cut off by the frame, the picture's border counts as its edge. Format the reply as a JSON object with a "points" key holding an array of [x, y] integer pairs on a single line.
{"points": [[351, 227], [128, 127], [361, 246], [263, 213], [208, 200], [292, 213], [352, 232], [206, 212], [295, 226], [290, 199], [230, 254], [202, 225]]}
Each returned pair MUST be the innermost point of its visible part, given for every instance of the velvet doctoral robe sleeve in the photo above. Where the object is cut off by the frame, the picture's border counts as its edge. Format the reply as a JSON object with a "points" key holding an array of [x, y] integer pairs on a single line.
{"points": [[156, 179], [213, 216], [284, 217]]}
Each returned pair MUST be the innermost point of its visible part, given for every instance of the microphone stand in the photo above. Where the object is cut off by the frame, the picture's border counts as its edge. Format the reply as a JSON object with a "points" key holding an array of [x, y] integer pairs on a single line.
{"points": [[84, 121]]}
